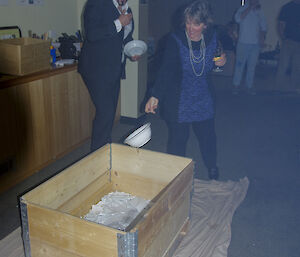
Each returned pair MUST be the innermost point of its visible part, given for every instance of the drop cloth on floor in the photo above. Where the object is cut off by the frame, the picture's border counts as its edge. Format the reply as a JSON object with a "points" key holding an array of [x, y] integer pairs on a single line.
{"points": [[12, 246], [213, 205], [212, 209]]}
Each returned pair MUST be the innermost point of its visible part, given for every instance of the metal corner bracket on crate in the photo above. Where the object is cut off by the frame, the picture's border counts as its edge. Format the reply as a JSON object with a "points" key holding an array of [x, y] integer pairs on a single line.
{"points": [[128, 245], [25, 228]]}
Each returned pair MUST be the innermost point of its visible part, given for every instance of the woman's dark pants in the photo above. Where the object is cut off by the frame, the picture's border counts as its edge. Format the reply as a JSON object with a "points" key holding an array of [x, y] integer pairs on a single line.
{"points": [[206, 136]]}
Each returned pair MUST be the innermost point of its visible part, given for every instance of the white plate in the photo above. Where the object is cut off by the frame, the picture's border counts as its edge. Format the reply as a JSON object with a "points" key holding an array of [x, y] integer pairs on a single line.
{"points": [[64, 62], [55, 44], [140, 136], [135, 47]]}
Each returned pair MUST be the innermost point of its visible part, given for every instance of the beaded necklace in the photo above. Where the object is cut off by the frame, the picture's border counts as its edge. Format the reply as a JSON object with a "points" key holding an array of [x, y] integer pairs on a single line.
{"points": [[197, 59]]}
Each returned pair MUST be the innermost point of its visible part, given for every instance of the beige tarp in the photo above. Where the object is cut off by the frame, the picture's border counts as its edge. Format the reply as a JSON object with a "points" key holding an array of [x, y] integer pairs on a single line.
{"points": [[213, 205], [12, 246]]}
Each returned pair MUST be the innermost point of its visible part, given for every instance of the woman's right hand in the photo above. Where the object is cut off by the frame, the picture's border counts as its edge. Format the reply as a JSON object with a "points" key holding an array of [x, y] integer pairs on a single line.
{"points": [[220, 61], [151, 105]]}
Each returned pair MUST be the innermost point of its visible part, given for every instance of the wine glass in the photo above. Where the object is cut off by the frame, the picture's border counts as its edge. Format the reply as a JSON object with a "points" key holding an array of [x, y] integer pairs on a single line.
{"points": [[218, 53]]}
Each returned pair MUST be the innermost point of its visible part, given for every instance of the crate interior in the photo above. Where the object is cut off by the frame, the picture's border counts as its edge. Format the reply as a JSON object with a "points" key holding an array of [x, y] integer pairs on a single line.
{"points": [[112, 168]]}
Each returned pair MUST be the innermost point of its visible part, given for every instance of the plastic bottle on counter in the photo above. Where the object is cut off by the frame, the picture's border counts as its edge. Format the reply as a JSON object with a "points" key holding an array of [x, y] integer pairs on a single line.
{"points": [[53, 54]]}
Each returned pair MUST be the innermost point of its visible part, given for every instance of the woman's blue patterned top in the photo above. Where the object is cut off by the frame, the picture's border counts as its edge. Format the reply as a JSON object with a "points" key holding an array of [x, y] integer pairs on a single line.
{"points": [[195, 102]]}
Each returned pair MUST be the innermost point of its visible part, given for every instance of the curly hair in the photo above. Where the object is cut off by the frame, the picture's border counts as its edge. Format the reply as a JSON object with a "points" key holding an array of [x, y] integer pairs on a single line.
{"points": [[198, 11]]}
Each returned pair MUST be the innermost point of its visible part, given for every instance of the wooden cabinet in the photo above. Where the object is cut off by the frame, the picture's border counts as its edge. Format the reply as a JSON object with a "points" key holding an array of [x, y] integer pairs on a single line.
{"points": [[42, 119]]}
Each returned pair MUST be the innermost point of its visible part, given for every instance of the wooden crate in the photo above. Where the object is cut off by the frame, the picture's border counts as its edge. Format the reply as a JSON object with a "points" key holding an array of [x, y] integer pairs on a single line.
{"points": [[51, 212], [20, 56]]}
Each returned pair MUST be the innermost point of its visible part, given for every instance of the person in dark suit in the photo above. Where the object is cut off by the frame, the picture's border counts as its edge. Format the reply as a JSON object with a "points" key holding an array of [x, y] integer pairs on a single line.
{"points": [[108, 26]]}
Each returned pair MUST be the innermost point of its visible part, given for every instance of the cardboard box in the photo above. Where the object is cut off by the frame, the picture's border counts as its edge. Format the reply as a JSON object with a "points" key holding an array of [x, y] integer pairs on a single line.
{"points": [[51, 213], [21, 56]]}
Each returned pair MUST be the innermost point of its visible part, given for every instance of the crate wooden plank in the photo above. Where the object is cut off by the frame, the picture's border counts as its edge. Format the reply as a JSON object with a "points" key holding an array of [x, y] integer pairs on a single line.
{"points": [[68, 183], [183, 183], [81, 203], [166, 229], [177, 240], [136, 185], [73, 234], [40, 248], [149, 228], [149, 164]]}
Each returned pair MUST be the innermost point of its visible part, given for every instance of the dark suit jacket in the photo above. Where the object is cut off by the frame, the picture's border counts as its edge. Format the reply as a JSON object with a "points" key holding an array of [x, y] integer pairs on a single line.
{"points": [[100, 57]]}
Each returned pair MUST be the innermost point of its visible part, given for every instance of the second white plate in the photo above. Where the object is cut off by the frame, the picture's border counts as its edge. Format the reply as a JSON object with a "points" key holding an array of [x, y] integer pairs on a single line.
{"points": [[135, 47]]}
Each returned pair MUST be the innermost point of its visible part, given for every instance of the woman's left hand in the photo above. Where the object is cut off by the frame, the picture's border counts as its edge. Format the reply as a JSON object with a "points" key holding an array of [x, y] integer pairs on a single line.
{"points": [[135, 58], [221, 60]]}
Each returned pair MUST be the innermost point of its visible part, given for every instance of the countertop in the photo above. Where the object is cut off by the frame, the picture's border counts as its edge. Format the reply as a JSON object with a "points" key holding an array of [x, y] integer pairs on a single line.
{"points": [[10, 80]]}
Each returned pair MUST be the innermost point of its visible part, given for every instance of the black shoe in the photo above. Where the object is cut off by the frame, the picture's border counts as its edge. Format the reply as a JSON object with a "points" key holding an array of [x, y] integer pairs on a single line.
{"points": [[213, 173]]}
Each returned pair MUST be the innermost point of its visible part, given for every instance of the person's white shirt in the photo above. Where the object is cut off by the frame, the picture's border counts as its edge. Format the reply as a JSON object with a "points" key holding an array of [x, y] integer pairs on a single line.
{"points": [[117, 22], [251, 25]]}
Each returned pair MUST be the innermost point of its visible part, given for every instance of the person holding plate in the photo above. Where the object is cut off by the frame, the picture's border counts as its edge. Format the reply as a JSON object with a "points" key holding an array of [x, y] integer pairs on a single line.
{"points": [[182, 89], [108, 26]]}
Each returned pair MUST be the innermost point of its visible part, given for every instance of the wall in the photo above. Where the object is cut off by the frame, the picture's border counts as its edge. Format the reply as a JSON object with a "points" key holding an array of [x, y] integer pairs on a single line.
{"points": [[161, 12], [161, 16], [80, 7], [65, 15], [57, 15], [224, 11]]}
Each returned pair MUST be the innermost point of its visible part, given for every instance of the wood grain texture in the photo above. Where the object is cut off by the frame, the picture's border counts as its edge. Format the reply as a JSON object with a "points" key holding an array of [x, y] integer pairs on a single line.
{"points": [[153, 224], [41, 248], [54, 208], [75, 178], [41, 121], [168, 227], [69, 234], [136, 185], [11, 81], [159, 167], [177, 239], [20, 56], [80, 204]]}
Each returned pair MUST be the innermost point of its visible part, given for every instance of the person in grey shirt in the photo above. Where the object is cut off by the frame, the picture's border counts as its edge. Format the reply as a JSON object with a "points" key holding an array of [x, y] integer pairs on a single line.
{"points": [[252, 31]]}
